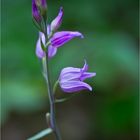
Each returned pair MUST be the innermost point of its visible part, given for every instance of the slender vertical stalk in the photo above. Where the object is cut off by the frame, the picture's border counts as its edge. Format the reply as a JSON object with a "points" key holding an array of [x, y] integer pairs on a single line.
{"points": [[50, 92], [51, 98]]}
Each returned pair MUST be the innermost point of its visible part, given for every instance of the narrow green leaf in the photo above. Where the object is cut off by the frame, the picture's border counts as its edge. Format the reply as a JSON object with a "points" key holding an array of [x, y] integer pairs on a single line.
{"points": [[63, 99], [41, 134]]}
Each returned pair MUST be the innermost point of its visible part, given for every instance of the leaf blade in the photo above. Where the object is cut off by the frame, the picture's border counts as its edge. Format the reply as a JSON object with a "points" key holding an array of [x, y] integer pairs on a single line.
{"points": [[41, 134]]}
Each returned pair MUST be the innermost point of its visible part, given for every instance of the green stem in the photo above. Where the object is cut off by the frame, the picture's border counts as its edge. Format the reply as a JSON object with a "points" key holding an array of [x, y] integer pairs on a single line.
{"points": [[50, 93], [51, 98]]}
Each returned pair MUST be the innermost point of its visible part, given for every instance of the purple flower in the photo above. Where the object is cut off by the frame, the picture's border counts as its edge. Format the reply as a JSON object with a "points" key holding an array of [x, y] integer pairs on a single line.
{"points": [[39, 52], [57, 21], [35, 12], [71, 79], [58, 40]]}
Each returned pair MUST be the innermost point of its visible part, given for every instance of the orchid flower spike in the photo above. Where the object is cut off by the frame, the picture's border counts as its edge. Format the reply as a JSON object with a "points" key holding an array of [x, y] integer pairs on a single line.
{"points": [[71, 79]]}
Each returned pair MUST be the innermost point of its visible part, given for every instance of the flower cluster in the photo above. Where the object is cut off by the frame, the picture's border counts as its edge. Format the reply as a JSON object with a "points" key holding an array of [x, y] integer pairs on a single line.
{"points": [[71, 79]]}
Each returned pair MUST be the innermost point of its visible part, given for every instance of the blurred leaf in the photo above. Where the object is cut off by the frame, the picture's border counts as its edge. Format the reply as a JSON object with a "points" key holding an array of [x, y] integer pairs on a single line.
{"points": [[118, 114], [21, 97]]}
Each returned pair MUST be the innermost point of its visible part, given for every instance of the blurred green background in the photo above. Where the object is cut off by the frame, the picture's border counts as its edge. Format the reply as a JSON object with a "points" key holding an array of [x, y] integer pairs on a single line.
{"points": [[110, 47]]}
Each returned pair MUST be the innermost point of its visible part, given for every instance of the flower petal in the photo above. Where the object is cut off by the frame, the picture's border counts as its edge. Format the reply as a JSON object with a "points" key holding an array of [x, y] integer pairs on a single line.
{"points": [[39, 52], [85, 67], [48, 30], [70, 69], [60, 38], [86, 75], [70, 73], [57, 21], [51, 51], [73, 86], [42, 37]]}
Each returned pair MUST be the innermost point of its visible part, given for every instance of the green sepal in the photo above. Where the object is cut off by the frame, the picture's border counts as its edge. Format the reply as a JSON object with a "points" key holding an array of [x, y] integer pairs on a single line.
{"points": [[43, 25], [38, 26], [42, 45]]}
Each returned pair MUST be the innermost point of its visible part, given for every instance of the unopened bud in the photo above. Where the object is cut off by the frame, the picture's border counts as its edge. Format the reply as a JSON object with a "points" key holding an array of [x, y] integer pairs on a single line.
{"points": [[39, 9], [57, 21], [35, 12], [42, 6]]}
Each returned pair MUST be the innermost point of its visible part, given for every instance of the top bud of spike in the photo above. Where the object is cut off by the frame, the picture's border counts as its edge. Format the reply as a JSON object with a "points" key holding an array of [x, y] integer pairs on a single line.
{"points": [[39, 12]]}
